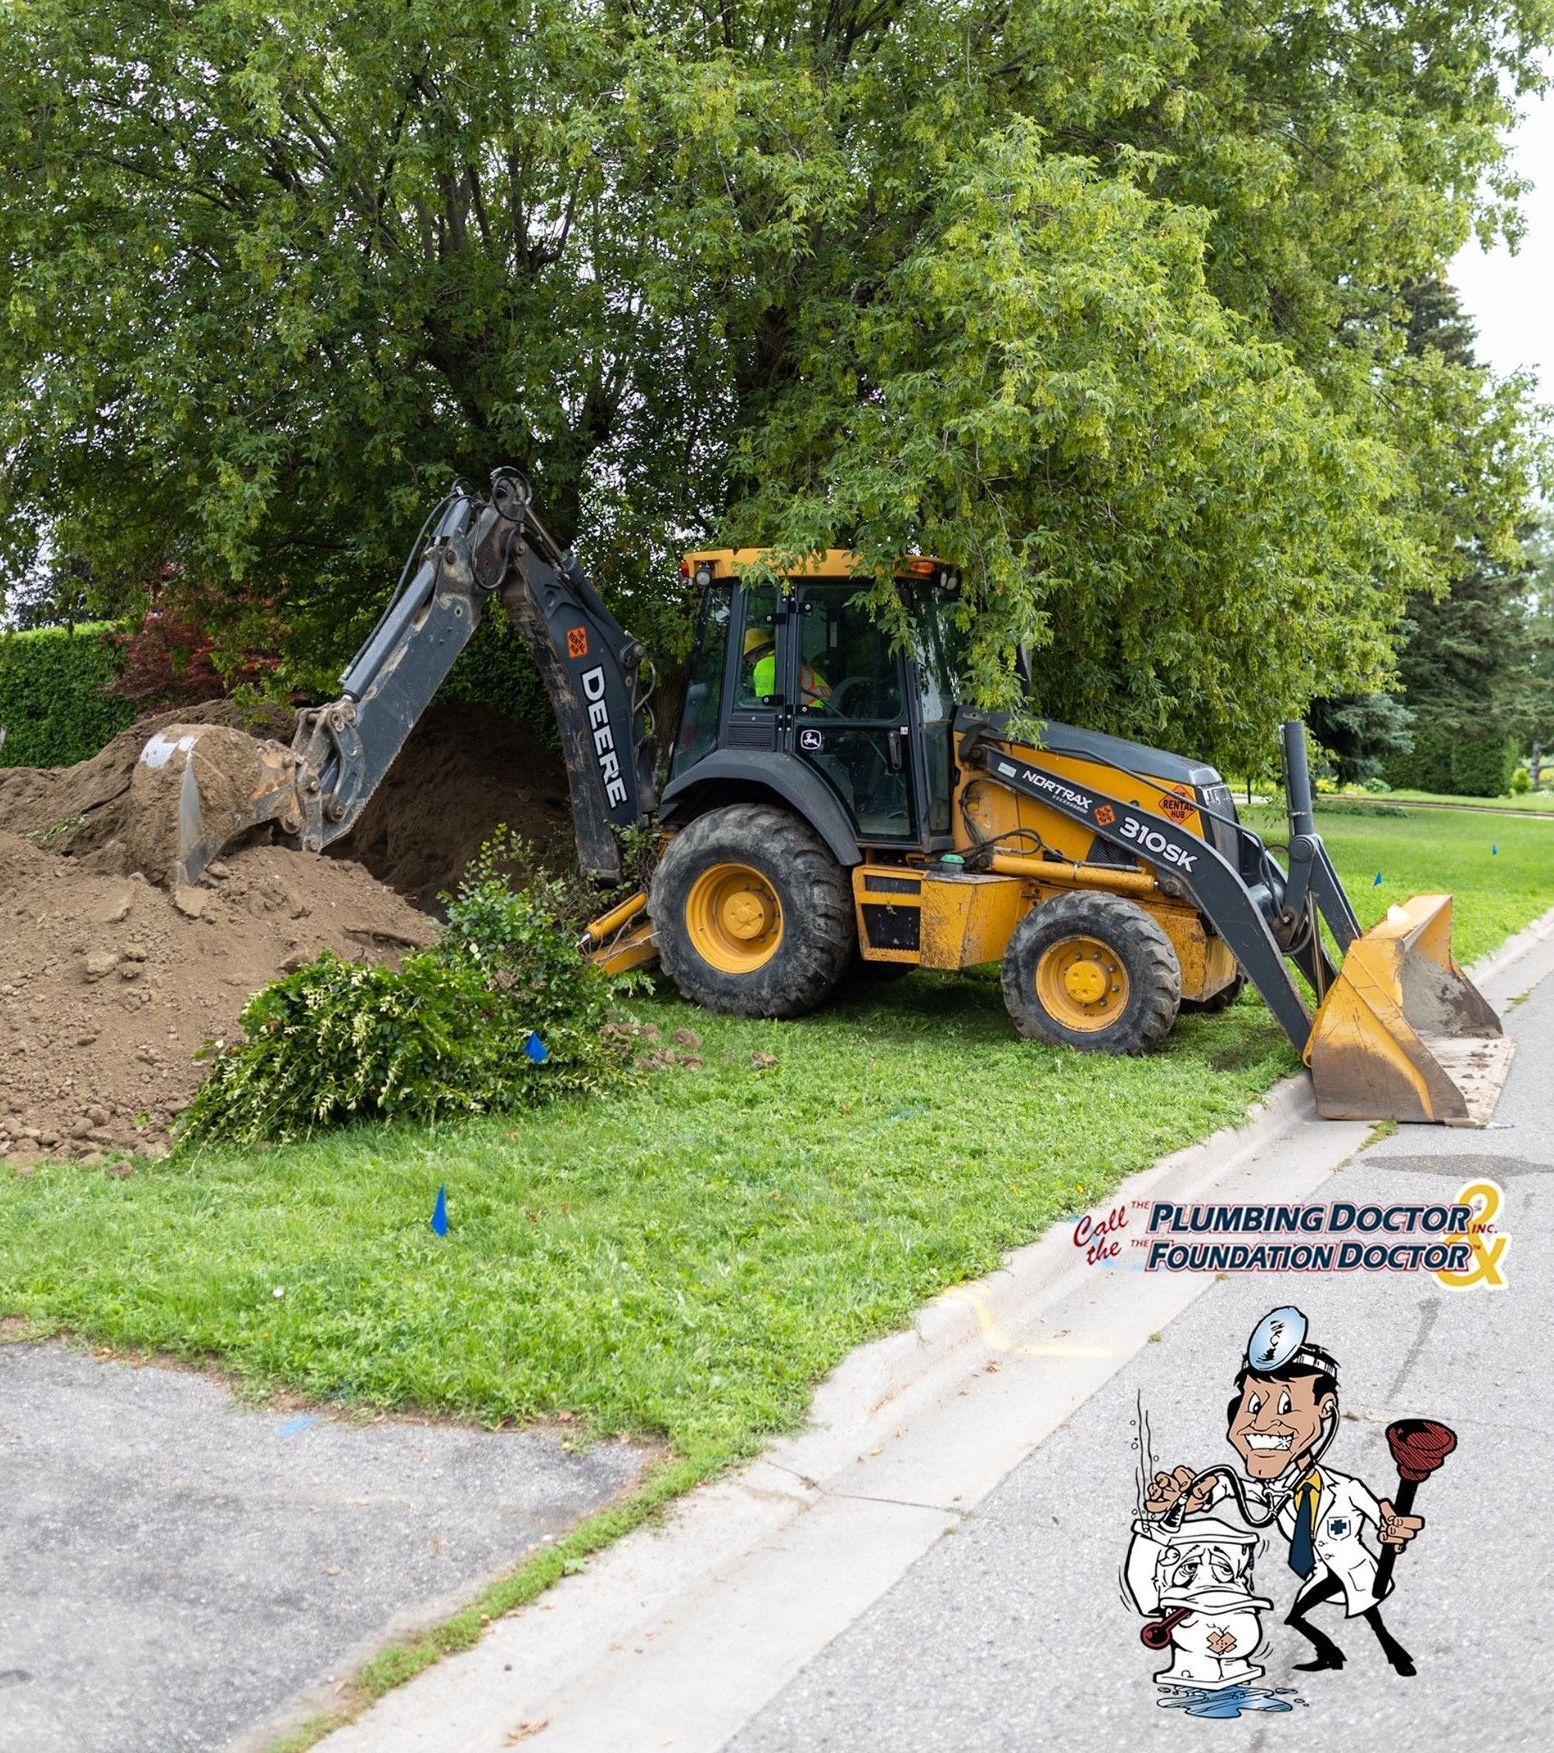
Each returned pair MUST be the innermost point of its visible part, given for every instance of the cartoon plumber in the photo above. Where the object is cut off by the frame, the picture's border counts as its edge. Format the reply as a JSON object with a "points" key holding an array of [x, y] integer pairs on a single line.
{"points": [[1281, 1422]]}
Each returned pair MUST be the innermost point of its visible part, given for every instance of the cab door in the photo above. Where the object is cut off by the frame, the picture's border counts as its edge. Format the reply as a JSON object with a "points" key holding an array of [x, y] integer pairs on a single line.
{"points": [[846, 701]]}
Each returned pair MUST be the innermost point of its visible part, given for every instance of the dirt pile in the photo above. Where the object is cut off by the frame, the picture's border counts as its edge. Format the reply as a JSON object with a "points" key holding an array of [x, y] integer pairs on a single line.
{"points": [[89, 810], [464, 770], [109, 986]]}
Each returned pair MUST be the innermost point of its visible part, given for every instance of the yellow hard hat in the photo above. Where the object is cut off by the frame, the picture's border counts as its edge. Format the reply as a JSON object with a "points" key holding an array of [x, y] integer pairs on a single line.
{"points": [[756, 638]]}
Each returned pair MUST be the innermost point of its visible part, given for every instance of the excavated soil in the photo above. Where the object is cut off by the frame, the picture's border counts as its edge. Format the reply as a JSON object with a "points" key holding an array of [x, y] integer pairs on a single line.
{"points": [[89, 810], [109, 985], [464, 771]]}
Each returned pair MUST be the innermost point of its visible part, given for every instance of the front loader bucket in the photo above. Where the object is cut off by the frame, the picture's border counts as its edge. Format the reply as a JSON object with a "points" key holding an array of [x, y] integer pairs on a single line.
{"points": [[198, 787], [1403, 1034]]}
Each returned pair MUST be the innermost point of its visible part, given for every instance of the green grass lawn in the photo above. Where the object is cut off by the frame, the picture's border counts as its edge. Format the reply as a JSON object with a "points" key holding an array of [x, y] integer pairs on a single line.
{"points": [[688, 1260], [1536, 802]]}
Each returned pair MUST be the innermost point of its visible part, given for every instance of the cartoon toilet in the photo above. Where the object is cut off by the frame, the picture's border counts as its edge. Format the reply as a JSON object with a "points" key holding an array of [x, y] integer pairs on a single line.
{"points": [[1195, 1582]]}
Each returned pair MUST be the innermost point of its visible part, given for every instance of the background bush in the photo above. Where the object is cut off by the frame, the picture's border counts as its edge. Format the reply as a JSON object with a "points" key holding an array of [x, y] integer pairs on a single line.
{"points": [[450, 1032], [495, 670], [54, 700], [1462, 766]]}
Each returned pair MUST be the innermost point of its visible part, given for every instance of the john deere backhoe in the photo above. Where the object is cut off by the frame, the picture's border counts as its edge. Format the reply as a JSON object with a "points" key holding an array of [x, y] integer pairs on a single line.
{"points": [[829, 796]]}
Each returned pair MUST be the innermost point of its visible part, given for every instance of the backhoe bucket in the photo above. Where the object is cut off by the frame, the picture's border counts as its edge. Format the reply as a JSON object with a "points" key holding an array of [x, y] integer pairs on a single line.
{"points": [[197, 788], [1403, 1034]]}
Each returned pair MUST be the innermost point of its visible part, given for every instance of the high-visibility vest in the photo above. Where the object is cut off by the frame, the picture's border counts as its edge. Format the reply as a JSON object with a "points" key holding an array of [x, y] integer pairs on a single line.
{"points": [[814, 689]]}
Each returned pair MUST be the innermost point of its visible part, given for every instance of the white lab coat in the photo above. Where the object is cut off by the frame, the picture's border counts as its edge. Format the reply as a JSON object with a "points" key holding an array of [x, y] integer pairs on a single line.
{"points": [[1343, 1506]]}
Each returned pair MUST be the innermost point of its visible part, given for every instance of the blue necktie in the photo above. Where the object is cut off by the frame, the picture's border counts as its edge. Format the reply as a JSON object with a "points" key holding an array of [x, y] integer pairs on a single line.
{"points": [[1302, 1559]]}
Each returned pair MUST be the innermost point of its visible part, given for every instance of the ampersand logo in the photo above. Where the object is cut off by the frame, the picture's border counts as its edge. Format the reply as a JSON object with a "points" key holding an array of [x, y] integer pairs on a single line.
{"points": [[577, 642], [1106, 815]]}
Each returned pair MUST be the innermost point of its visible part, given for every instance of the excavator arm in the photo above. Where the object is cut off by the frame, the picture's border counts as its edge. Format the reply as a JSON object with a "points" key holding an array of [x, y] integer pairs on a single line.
{"points": [[595, 674]]}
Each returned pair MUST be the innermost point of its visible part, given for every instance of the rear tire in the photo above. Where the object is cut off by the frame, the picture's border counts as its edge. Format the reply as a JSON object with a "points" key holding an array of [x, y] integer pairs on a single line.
{"points": [[1092, 971], [1218, 1001], [752, 915]]}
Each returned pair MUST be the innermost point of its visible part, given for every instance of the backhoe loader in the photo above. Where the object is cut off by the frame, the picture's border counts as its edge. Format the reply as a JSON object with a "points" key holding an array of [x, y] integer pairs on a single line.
{"points": [[830, 796]]}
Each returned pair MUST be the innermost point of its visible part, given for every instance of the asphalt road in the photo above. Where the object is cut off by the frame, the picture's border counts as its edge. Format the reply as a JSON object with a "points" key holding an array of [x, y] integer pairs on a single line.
{"points": [[177, 1570], [1013, 1633]]}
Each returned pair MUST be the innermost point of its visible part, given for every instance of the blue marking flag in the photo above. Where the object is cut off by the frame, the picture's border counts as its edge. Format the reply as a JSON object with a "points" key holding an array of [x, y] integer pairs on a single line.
{"points": [[535, 1049], [1494, 851], [1376, 880], [440, 1213]]}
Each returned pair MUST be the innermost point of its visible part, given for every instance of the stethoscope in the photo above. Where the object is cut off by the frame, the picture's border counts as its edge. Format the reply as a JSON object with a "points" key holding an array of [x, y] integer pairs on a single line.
{"points": [[1279, 1493]]}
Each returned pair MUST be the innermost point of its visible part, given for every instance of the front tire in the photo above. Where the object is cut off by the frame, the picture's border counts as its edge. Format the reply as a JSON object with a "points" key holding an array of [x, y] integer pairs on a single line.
{"points": [[1092, 971], [752, 915]]}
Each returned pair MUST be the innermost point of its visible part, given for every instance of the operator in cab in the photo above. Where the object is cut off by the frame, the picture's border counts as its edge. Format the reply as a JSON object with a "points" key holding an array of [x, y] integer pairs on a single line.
{"points": [[761, 656]]}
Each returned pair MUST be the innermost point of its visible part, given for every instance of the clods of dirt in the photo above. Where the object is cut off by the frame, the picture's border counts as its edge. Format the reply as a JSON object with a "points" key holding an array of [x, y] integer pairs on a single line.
{"points": [[109, 986], [90, 811]]}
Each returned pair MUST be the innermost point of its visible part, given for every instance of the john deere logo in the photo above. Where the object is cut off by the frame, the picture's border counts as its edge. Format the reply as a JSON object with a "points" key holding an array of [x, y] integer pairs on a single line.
{"points": [[810, 739]]}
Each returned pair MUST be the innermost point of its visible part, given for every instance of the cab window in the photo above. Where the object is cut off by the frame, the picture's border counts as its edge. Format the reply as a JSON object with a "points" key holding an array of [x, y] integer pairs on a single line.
{"points": [[851, 671], [759, 683], [849, 724], [941, 666], [704, 682]]}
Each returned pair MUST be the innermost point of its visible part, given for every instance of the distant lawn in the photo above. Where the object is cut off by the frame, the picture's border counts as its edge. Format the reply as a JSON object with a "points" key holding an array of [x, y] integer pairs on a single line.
{"points": [[1501, 872], [1537, 802], [689, 1260]]}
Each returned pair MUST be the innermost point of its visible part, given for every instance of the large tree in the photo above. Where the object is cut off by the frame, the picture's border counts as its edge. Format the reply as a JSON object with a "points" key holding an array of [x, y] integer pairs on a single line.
{"points": [[1099, 300]]}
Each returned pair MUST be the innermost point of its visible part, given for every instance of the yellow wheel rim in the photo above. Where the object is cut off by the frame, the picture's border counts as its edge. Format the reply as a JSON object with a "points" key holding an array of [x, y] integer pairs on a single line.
{"points": [[734, 918], [1082, 983]]}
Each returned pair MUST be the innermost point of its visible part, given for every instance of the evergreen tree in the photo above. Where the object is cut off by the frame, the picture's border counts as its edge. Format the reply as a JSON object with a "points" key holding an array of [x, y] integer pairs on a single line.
{"points": [[1466, 660]]}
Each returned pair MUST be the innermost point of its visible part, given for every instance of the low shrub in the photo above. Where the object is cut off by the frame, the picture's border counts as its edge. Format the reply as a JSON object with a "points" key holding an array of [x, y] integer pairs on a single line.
{"points": [[502, 1012]]}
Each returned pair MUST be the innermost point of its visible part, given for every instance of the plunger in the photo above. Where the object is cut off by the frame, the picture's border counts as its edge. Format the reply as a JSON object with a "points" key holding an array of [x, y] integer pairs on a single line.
{"points": [[1419, 1446]]}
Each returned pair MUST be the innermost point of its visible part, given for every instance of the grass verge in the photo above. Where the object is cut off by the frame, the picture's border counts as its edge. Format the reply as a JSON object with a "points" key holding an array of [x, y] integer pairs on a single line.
{"points": [[687, 1261]]}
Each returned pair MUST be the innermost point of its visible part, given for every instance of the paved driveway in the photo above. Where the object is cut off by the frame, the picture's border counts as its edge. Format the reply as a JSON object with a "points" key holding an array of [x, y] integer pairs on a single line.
{"points": [[177, 1570]]}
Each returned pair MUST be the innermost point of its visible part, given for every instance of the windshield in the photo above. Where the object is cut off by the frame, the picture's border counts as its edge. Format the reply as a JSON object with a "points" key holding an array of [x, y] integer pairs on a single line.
{"points": [[941, 650]]}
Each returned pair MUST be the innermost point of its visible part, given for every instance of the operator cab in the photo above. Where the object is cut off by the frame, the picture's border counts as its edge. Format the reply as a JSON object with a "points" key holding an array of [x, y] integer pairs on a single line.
{"points": [[801, 670]]}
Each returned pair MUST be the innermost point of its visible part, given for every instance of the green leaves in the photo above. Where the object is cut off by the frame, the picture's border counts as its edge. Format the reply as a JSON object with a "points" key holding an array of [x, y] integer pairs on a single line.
{"points": [[441, 1036], [1099, 300], [1136, 485]]}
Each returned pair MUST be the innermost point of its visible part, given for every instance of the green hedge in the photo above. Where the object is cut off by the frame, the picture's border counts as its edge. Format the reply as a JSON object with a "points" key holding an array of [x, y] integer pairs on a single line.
{"points": [[1457, 763], [54, 702]]}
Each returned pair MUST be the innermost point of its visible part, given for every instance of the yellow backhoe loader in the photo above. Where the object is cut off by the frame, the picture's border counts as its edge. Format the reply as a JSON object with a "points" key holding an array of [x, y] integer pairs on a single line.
{"points": [[830, 795]]}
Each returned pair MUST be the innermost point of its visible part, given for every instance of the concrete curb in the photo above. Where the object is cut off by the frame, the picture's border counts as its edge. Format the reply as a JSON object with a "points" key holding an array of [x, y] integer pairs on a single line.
{"points": [[884, 1381], [885, 1370], [676, 1637], [1491, 966]]}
